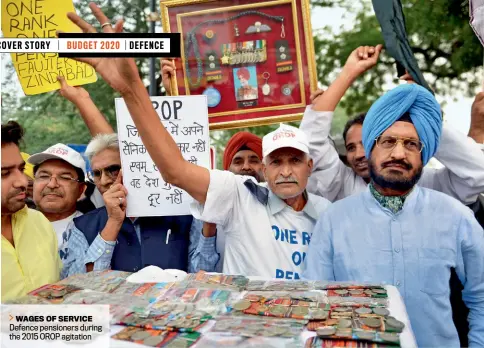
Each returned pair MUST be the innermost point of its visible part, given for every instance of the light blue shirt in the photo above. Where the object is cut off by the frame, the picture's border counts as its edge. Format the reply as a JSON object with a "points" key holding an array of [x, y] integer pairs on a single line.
{"points": [[357, 239]]}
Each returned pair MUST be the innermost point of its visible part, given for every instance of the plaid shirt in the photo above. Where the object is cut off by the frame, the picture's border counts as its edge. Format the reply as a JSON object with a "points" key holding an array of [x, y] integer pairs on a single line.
{"points": [[201, 251]]}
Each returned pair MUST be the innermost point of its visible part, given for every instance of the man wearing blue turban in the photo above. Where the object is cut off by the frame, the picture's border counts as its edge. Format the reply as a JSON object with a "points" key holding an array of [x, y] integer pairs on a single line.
{"points": [[398, 233]]}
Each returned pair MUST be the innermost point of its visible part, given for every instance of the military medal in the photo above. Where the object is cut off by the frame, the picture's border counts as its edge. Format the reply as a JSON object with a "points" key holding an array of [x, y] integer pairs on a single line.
{"points": [[153, 341], [258, 27], [344, 324], [381, 311], [365, 335], [213, 72], [286, 90], [394, 325], [389, 337], [140, 335], [372, 322], [209, 36], [326, 331], [242, 305], [283, 57], [363, 310], [213, 97], [300, 311], [266, 89]]}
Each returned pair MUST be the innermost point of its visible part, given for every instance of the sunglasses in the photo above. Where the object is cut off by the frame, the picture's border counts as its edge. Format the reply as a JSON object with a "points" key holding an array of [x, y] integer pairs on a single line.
{"points": [[111, 171]]}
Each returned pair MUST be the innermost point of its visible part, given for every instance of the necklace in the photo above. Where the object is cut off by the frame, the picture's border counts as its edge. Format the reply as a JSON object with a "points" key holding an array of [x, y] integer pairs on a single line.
{"points": [[191, 41]]}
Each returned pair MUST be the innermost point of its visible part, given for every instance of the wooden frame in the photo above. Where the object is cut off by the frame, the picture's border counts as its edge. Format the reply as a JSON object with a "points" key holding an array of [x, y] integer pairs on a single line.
{"points": [[188, 17]]}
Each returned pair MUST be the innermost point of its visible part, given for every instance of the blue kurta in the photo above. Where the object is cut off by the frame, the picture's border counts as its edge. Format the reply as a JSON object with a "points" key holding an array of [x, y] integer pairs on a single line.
{"points": [[357, 239]]}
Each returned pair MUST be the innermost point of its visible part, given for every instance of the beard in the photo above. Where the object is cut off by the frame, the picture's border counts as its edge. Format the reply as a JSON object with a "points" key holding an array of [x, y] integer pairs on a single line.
{"points": [[394, 182], [10, 205]]}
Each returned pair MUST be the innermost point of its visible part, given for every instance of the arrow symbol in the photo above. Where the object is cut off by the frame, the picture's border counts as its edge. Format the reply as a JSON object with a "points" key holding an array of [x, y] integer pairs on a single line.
{"points": [[11, 318]]}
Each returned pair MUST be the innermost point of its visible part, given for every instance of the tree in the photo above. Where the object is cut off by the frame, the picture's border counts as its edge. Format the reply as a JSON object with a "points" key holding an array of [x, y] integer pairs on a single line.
{"points": [[445, 45], [49, 118], [448, 52]]}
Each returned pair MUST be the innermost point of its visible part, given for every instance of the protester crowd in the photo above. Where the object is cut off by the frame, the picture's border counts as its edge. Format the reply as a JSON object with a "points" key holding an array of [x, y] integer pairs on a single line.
{"points": [[284, 206]]}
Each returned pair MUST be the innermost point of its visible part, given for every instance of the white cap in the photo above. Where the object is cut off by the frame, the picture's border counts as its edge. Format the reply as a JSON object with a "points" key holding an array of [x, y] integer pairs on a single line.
{"points": [[62, 152], [285, 136]]}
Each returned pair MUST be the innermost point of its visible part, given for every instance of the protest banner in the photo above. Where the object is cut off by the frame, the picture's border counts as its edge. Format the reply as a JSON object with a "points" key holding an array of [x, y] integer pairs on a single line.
{"points": [[37, 72], [186, 119], [392, 22]]}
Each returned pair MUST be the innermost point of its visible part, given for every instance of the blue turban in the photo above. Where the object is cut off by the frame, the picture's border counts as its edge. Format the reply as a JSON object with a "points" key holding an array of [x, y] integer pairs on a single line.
{"points": [[424, 112]]}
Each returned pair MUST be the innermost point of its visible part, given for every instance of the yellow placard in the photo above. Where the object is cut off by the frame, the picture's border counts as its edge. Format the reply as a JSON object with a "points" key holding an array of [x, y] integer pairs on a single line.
{"points": [[38, 72]]}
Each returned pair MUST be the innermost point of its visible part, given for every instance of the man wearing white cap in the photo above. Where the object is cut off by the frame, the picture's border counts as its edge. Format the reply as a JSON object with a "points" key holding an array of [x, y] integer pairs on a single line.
{"points": [[59, 174], [267, 226]]}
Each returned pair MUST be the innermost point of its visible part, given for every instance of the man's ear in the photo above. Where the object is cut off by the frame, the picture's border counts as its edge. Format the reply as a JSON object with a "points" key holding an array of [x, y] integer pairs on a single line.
{"points": [[264, 168], [82, 188], [310, 165]]}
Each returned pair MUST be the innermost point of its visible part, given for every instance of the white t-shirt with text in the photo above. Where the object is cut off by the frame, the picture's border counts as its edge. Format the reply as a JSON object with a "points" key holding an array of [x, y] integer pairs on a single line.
{"points": [[263, 235]]}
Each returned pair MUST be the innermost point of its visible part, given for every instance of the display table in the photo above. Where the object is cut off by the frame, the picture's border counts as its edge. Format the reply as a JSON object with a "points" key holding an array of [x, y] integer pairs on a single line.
{"points": [[395, 306]]}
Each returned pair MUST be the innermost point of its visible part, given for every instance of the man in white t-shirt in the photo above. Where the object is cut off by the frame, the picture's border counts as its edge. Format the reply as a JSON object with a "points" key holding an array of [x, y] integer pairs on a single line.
{"points": [[267, 226], [59, 174]]}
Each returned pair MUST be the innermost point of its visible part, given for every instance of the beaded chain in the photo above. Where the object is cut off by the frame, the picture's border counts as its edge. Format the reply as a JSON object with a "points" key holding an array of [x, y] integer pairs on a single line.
{"points": [[191, 40]]}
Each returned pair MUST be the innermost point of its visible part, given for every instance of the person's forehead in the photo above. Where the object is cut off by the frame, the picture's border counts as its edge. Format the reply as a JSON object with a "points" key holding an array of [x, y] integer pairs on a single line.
{"points": [[56, 165], [286, 152], [245, 154], [354, 134], [401, 129], [11, 156], [105, 158]]}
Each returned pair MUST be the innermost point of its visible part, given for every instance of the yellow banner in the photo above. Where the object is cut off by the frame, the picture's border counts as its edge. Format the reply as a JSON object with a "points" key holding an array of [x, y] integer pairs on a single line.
{"points": [[38, 72]]}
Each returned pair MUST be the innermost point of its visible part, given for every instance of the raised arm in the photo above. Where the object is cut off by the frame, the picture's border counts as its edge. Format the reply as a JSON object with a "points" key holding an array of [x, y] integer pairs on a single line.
{"points": [[167, 73], [330, 176], [360, 60], [463, 174], [93, 118], [122, 75]]}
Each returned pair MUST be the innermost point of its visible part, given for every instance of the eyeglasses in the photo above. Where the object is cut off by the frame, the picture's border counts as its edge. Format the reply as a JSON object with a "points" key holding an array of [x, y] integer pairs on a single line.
{"points": [[61, 179], [111, 171], [390, 142]]}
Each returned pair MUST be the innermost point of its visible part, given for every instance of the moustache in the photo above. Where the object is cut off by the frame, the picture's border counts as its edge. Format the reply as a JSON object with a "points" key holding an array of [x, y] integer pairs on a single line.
{"points": [[18, 191], [56, 193], [289, 180], [405, 165], [361, 160]]}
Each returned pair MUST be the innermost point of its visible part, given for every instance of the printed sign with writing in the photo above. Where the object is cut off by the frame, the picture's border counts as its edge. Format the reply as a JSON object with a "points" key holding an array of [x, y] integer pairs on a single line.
{"points": [[186, 119], [37, 72]]}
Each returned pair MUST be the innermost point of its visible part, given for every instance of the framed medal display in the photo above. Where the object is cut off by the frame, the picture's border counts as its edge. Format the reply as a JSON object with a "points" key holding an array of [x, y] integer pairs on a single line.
{"points": [[254, 60]]}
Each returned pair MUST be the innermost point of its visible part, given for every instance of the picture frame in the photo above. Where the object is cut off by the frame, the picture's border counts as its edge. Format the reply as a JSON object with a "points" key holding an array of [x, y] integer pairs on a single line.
{"points": [[226, 42]]}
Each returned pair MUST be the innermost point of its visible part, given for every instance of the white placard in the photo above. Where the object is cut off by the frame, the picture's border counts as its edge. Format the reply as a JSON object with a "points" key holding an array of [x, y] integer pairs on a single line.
{"points": [[186, 119]]}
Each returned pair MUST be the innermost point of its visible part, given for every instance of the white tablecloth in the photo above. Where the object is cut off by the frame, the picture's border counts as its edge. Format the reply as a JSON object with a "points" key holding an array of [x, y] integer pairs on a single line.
{"points": [[395, 306]]}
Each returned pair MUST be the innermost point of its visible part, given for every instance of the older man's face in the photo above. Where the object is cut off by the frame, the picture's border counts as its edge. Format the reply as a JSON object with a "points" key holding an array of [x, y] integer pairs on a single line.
{"points": [[396, 161], [246, 162], [105, 168], [286, 171], [56, 187]]}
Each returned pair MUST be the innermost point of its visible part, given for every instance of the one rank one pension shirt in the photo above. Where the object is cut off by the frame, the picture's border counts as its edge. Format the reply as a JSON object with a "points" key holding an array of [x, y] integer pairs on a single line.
{"points": [[263, 235]]}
